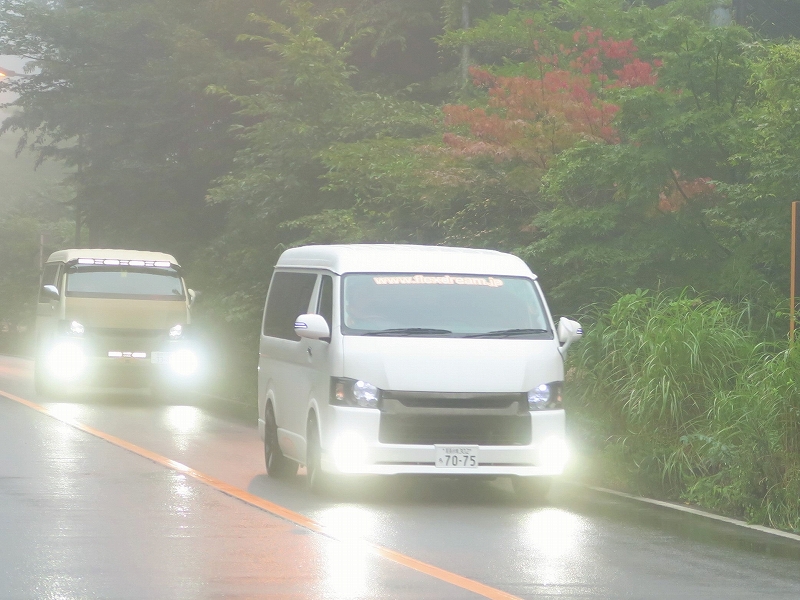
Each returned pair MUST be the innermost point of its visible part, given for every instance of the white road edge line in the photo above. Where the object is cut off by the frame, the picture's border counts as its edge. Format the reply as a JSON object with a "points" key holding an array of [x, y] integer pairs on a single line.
{"points": [[694, 511]]}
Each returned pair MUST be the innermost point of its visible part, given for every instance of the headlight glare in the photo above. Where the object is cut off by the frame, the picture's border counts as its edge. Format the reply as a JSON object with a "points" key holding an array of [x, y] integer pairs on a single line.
{"points": [[349, 451], [66, 361], [554, 453], [183, 362]]}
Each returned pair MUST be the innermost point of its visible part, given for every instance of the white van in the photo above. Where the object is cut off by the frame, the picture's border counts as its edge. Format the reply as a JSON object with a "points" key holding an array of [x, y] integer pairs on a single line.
{"points": [[391, 359]]}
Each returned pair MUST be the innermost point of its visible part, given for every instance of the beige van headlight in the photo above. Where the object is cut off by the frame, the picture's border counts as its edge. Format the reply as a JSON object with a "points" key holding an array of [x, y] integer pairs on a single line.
{"points": [[66, 361], [183, 362]]}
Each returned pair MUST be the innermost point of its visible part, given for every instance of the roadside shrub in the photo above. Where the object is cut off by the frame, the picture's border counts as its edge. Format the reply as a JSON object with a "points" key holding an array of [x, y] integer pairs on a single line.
{"points": [[673, 396]]}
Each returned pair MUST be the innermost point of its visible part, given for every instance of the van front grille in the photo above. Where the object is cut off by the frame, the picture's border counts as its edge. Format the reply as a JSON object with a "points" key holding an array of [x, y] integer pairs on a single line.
{"points": [[125, 333], [427, 429], [101, 341], [451, 400]]}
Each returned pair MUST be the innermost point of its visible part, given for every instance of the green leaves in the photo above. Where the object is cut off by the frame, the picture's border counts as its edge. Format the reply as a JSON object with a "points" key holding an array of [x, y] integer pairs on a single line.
{"points": [[687, 403]]}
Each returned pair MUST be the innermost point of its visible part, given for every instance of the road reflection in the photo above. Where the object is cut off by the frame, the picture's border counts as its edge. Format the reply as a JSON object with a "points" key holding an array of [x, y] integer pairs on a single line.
{"points": [[184, 422], [549, 536], [346, 562], [69, 413], [183, 419]]}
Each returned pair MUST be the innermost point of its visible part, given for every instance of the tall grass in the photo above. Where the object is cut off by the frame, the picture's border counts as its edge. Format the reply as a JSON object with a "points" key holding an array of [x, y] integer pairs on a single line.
{"points": [[678, 398]]}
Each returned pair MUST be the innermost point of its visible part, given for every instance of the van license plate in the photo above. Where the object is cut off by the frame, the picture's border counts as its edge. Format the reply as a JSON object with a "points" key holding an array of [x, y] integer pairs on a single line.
{"points": [[460, 457], [159, 358]]}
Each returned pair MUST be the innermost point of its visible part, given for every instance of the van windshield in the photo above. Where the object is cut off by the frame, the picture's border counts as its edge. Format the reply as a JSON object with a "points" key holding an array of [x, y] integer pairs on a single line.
{"points": [[124, 283], [443, 305]]}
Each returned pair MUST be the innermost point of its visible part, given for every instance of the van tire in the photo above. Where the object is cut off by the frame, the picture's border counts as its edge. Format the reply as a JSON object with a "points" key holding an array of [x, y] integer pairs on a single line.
{"points": [[317, 481], [278, 466], [532, 489]]}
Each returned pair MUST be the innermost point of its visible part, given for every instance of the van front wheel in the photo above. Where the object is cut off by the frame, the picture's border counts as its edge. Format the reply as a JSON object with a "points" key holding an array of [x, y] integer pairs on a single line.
{"points": [[317, 480], [278, 466]]}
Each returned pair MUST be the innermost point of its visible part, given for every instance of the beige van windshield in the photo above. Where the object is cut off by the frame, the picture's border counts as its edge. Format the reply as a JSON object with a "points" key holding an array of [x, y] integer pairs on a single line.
{"points": [[124, 283]]}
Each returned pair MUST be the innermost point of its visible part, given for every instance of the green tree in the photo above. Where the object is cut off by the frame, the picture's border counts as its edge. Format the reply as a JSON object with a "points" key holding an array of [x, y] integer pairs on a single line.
{"points": [[23, 225], [277, 195], [647, 212], [116, 93], [758, 209]]}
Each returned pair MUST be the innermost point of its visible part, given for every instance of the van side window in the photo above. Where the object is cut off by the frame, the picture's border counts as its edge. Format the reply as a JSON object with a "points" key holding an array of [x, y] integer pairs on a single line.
{"points": [[289, 295], [49, 277], [325, 303]]}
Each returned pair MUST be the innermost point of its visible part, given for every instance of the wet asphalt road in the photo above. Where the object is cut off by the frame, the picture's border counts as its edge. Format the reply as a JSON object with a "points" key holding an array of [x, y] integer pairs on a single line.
{"points": [[81, 517]]}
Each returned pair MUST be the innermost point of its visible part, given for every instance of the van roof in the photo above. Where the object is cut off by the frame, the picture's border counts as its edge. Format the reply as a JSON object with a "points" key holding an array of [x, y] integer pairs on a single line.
{"points": [[404, 258], [110, 253]]}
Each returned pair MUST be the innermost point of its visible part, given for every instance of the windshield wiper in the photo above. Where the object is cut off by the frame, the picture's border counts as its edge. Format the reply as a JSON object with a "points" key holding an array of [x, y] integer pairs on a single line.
{"points": [[505, 333], [410, 331]]}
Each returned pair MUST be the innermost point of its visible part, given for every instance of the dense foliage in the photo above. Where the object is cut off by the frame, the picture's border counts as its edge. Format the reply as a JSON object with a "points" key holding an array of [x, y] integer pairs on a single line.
{"points": [[678, 397], [613, 144]]}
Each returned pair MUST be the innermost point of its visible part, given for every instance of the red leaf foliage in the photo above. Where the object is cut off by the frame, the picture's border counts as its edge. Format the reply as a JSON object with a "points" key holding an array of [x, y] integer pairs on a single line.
{"points": [[533, 119], [675, 196]]}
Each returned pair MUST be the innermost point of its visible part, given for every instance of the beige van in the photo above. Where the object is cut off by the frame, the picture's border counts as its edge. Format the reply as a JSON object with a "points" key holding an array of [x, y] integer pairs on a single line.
{"points": [[112, 319]]}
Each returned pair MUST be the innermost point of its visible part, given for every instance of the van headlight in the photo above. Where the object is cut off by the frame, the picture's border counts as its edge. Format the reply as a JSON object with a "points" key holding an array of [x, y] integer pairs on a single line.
{"points": [[66, 361], [546, 396], [354, 392], [183, 362]]}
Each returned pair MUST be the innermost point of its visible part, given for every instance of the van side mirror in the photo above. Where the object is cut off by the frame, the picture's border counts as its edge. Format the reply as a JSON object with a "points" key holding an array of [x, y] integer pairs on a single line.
{"points": [[568, 331], [50, 292], [194, 295], [313, 327]]}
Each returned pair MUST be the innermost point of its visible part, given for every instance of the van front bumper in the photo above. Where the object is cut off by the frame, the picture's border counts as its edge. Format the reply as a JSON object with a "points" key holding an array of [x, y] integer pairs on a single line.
{"points": [[351, 445], [84, 364]]}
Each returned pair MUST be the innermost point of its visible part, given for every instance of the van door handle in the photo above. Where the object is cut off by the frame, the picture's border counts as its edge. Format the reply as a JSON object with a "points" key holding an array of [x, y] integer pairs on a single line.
{"points": [[309, 351]]}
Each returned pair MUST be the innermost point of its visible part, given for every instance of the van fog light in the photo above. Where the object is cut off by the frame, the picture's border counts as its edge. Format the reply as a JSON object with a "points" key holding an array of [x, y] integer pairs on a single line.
{"points": [[183, 362], [349, 451], [66, 361], [553, 453]]}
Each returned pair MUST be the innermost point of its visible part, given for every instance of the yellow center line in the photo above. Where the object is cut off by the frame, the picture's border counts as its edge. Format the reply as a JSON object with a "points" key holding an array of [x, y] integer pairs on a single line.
{"points": [[275, 509]]}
